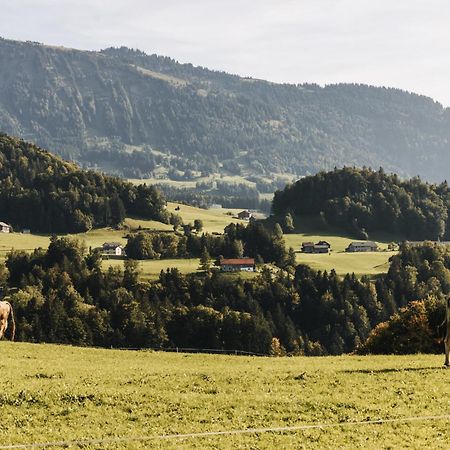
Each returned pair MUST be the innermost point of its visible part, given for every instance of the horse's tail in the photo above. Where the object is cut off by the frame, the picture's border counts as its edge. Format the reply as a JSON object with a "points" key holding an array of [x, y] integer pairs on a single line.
{"points": [[13, 323]]}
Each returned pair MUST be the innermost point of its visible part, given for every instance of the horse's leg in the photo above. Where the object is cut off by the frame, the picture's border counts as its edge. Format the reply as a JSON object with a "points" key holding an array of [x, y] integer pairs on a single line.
{"points": [[447, 347], [3, 324]]}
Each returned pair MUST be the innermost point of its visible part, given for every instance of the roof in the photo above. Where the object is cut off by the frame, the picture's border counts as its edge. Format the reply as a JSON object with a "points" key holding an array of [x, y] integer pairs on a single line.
{"points": [[429, 242], [3, 224], [364, 244], [111, 245], [306, 244], [237, 262]]}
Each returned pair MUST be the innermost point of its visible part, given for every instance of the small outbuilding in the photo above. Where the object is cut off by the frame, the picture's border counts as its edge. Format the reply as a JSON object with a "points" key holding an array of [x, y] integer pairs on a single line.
{"points": [[5, 228], [245, 215]]}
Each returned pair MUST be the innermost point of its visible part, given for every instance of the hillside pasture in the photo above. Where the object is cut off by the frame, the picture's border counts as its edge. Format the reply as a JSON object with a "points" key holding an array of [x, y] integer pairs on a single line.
{"points": [[214, 219], [311, 230], [57, 393], [28, 242]]}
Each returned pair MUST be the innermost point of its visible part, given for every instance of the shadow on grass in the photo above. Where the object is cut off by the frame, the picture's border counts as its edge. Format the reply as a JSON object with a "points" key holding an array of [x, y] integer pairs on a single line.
{"points": [[392, 370]]}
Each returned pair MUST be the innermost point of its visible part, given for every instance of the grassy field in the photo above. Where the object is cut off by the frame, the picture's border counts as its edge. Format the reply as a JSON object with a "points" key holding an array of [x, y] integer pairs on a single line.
{"points": [[370, 263], [55, 393], [29, 242], [214, 220]]}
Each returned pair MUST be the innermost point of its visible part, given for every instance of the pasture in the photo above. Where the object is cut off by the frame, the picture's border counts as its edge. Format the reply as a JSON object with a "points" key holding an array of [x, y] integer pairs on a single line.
{"points": [[60, 393], [214, 220], [370, 263]]}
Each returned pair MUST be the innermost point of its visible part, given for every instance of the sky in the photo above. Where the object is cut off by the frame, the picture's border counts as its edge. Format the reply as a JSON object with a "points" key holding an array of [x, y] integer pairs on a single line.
{"points": [[396, 43]]}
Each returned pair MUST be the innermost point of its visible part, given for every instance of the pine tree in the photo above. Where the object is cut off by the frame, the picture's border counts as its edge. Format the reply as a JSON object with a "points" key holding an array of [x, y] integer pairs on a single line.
{"points": [[205, 260]]}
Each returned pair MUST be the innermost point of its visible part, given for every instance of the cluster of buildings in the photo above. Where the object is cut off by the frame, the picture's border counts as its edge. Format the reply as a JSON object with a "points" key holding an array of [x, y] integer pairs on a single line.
{"points": [[325, 247]]}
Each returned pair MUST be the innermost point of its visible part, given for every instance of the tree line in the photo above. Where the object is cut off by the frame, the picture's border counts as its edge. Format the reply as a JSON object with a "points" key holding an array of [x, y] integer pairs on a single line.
{"points": [[63, 295], [363, 200], [46, 194]]}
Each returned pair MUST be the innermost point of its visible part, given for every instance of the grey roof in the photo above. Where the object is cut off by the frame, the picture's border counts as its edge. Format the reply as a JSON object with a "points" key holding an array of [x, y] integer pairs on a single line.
{"points": [[364, 244], [111, 245], [3, 224]]}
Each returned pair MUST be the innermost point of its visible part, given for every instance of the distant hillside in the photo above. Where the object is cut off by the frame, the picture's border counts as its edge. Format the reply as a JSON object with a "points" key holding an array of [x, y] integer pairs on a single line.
{"points": [[144, 115], [41, 192], [362, 200]]}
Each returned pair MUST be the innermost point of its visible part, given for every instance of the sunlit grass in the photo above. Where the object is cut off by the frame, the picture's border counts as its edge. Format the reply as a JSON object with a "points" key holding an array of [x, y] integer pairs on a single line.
{"points": [[52, 393]]}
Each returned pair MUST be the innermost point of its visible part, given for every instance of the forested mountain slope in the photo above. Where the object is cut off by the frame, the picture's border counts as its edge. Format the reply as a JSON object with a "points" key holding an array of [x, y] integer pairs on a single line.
{"points": [[131, 113], [42, 192], [363, 200]]}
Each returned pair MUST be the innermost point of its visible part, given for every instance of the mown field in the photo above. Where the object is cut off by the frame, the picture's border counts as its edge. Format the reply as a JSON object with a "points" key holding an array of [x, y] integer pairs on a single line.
{"points": [[370, 263], [58, 393]]}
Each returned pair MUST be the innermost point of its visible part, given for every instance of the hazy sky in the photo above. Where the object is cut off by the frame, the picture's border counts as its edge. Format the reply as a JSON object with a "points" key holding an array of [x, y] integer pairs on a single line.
{"points": [[399, 43]]}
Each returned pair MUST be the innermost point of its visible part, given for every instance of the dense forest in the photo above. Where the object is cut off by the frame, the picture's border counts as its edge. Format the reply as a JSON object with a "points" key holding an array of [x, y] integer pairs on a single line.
{"points": [[130, 113], [363, 200], [62, 295], [43, 193]]}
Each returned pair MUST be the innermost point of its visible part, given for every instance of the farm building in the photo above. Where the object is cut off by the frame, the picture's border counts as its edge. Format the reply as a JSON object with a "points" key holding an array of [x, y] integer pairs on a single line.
{"points": [[245, 215], [5, 228], [422, 243], [366, 246], [320, 247], [112, 248], [237, 265]]}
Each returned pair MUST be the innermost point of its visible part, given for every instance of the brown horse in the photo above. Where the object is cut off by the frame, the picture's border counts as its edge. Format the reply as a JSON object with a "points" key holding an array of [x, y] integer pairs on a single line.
{"points": [[5, 311]]}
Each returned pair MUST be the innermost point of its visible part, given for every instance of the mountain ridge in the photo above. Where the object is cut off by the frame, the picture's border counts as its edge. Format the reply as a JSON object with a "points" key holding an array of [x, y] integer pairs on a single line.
{"points": [[142, 115]]}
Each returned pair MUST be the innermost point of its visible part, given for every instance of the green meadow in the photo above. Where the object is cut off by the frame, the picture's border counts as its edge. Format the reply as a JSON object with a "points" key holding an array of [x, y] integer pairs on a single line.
{"points": [[59, 393], [214, 221], [370, 263]]}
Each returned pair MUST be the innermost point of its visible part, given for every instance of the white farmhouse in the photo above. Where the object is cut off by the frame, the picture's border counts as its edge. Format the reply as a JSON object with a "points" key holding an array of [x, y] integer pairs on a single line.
{"points": [[112, 248], [5, 228]]}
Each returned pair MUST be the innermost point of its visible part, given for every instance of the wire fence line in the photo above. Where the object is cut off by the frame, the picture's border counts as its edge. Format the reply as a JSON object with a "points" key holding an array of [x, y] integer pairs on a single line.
{"points": [[287, 429], [207, 350], [220, 351]]}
